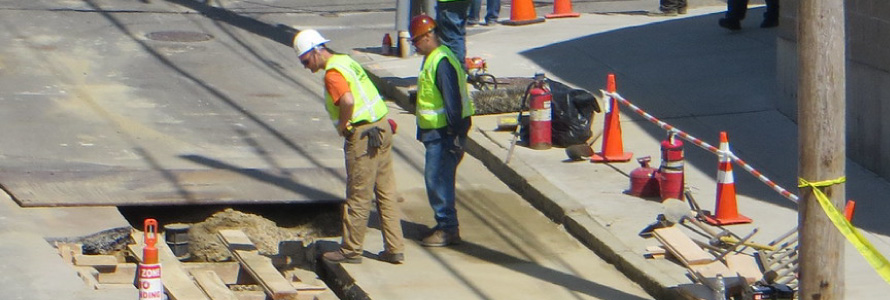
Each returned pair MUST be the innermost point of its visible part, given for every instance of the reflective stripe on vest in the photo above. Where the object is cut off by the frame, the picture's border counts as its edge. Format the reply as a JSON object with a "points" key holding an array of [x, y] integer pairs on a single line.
{"points": [[430, 105], [369, 105]]}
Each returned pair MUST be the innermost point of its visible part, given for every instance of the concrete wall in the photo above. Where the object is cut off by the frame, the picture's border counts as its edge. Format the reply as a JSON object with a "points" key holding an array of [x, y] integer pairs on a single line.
{"points": [[868, 78]]}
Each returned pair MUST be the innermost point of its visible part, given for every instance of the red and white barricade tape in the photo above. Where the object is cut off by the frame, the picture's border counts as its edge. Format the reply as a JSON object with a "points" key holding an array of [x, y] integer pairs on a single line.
{"points": [[702, 144]]}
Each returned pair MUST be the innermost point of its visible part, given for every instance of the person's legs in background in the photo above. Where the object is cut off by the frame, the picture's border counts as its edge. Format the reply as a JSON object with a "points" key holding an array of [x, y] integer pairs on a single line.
{"points": [[771, 16], [492, 11], [451, 18], [735, 13], [473, 15], [668, 7]]}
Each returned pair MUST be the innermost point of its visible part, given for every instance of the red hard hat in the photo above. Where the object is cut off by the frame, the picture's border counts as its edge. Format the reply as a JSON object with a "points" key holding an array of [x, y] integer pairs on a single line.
{"points": [[420, 25]]}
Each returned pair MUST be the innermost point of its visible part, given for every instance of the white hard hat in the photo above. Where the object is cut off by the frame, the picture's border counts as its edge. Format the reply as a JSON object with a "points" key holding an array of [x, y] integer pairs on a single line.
{"points": [[307, 40]]}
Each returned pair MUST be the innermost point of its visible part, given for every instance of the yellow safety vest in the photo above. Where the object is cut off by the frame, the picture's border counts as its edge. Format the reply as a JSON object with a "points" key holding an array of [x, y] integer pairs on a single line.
{"points": [[369, 106], [430, 105]]}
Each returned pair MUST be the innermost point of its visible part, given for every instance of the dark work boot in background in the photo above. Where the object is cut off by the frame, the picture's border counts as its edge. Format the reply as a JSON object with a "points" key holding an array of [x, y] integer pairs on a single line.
{"points": [[731, 24]]}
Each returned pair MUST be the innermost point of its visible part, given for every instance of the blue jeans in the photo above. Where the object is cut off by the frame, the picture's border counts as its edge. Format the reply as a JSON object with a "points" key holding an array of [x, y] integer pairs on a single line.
{"points": [[451, 20], [736, 9], [492, 10], [439, 172]]}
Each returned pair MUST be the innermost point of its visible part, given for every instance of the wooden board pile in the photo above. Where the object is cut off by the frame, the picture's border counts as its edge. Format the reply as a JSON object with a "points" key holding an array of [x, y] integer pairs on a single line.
{"points": [[251, 277], [707, 263]]}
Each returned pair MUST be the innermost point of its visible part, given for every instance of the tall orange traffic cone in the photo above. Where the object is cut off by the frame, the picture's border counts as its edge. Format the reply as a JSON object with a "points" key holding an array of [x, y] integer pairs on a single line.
{"points": [[562, 9], [613, 146], [522, 12], [727, 210]]}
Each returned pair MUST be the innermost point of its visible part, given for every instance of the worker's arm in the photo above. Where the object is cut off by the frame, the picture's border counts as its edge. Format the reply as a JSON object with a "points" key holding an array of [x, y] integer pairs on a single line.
{"points": [[338, 88], [448, 85], [347, 104]]}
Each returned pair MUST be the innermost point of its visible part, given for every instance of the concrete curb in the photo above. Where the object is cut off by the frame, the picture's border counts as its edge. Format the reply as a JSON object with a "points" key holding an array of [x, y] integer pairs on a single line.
{"points": [[550, 200]]}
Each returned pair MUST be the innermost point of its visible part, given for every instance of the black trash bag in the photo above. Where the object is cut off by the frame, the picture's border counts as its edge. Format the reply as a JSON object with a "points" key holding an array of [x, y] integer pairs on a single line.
{"points": [[572, 111]]}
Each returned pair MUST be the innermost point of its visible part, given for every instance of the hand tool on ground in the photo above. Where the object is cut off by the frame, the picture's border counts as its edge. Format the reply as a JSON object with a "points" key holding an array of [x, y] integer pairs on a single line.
{"points": [[693, 204], [788, 242], [736, 245], [660, 222], [581, 151], [781, 273], [772, 260], [539, 79], [676, 211]]}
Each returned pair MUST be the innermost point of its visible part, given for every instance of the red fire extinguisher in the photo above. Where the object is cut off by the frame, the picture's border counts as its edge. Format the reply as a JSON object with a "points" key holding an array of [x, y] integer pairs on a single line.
{"points": [[386, 45], [540, 115], [670, 175]]}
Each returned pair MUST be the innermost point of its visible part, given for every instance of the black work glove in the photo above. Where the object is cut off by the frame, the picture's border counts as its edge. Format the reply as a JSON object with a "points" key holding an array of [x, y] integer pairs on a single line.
{"points": [[375, 137]]}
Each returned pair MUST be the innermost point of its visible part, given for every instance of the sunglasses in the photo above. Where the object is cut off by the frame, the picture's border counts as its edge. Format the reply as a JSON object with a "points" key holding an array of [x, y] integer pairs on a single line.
{"points": [[417, 38], [305, 61]]}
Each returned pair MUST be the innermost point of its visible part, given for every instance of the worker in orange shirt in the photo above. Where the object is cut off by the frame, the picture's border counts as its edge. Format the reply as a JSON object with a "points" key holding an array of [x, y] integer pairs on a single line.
{"points": [[358, 113]]}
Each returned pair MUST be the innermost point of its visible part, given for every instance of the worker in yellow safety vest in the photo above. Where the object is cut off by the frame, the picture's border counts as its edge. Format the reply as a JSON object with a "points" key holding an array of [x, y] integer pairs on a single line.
{"points": [[444, 116], [359, 115]]}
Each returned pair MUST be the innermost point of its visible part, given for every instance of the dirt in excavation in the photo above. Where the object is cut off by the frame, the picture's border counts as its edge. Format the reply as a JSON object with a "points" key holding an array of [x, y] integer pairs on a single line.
{"points": [[205, 245]]}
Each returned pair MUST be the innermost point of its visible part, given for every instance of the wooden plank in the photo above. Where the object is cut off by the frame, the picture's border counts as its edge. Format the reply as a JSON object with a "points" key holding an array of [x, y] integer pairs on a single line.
{"points": [[116, 286], [710, 270], [119, 273], [236, 240], [213, 285], [655, 252], [258, 266], [744, 265], [304, 278], [250, 295], [88, 275], [176, 280], [68, 250], [682, 247], [94, 260], [228, 271]]}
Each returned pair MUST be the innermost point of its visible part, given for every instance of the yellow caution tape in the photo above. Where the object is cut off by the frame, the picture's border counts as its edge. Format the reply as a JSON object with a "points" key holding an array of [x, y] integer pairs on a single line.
{"points": [[865, 247]]}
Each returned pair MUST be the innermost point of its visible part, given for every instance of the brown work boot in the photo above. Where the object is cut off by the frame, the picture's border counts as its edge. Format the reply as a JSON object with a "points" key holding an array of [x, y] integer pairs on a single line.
{"points": [[393, 258], [440, 238], [339, 257]]}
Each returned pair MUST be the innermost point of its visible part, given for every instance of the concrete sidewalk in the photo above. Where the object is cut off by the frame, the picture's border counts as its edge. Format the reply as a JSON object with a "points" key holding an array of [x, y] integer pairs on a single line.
{"points": [[685, 71]]}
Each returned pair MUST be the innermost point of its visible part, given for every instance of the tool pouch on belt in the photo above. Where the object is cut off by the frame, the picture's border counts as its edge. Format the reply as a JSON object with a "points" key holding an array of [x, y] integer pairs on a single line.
{"points": [[375, 137]]}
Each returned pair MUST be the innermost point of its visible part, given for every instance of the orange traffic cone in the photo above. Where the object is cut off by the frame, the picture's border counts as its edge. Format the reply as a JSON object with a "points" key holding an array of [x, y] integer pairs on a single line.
{"points": [[849, 209], [562, 9], [151, 287], [727, 210], [613, 146], [522, 12]]}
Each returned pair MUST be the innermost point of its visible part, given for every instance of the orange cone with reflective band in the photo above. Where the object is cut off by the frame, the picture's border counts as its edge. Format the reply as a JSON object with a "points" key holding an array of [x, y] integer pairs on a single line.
{"points": [[522, 12], [150, 285], [562, 9], [727, 210], [613, 146]]}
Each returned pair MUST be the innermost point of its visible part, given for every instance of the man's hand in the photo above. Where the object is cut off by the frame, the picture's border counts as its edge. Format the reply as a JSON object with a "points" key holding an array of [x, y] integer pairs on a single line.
{"points": [[458, 146], [345, 129]]}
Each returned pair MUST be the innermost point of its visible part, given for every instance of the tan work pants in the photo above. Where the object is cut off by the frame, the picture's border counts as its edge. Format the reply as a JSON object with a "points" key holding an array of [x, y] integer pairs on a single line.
{"points": [[370, 173]]}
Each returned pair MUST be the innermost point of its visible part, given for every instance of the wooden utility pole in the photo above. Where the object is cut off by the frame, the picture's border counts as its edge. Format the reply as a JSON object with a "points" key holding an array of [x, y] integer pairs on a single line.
{"points": [[822, 148]]}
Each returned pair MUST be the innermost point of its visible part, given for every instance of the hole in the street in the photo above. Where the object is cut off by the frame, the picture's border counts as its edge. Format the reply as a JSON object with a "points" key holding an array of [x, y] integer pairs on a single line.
{"points": [[269, 226], [280, 232]]}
